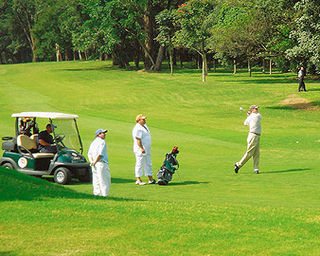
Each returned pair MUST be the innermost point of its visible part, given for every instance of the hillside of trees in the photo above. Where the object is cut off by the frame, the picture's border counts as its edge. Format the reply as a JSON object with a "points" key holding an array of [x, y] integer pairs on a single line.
{"points": [[283, 33]]}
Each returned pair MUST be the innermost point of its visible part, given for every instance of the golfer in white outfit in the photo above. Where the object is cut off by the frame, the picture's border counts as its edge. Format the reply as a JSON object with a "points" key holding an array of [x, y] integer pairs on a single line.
{"points": [[98, 158], [142, 149], [253, 149]]}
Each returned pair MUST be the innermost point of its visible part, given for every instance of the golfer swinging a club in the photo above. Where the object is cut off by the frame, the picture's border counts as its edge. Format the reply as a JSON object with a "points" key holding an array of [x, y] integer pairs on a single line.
{"points": [[253, 148]]}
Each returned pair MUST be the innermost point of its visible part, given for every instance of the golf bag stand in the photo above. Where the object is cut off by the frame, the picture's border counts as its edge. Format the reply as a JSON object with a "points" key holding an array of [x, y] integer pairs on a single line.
{"points": [[169, 167]]}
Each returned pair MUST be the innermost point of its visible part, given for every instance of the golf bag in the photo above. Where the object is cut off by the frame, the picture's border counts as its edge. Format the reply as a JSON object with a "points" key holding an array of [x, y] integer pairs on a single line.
{"points": [[168, 168]]}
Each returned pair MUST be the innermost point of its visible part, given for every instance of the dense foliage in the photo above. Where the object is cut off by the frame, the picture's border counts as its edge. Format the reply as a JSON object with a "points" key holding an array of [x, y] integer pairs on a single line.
{"points": [[285, 32]]}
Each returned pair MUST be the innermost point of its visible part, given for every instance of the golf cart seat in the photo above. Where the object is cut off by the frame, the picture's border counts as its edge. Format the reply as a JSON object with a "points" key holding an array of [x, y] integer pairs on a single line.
{"points": [[27, 145], [35, 138]]}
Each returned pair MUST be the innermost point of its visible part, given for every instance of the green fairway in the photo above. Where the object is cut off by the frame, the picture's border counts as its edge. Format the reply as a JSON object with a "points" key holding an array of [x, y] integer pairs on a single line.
{"points": [[207, 209]]}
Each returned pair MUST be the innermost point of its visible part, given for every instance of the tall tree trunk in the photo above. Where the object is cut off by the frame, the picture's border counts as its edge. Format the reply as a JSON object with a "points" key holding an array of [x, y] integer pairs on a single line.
{"points": [[170, 50], [80, 55], [58, 53], [26, 21], [159, 60], [149, 25], [270, 66], [33, 48], [249, 67], [234, 66], [204, 67]]}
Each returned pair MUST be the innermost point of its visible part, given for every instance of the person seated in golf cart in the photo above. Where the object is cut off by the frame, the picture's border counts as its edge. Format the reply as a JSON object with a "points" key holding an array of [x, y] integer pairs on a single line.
{"points": [[46, 143]]}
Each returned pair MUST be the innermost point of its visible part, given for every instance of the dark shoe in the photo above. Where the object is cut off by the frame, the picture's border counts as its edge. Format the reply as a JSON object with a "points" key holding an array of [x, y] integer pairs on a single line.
{"points": [[236, 168]]}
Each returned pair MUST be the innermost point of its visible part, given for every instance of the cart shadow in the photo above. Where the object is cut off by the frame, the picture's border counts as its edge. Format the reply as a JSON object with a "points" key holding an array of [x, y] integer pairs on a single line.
{"points": [[15, 186], [287, 171]]}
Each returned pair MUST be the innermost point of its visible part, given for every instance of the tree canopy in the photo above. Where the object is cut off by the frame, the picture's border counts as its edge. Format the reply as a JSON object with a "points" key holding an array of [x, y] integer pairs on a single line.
{"points": [[239, 32]]}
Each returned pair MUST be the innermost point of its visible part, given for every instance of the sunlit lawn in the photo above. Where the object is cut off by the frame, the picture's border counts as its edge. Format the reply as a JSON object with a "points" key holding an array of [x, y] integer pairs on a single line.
{"points": [[207, 209]]}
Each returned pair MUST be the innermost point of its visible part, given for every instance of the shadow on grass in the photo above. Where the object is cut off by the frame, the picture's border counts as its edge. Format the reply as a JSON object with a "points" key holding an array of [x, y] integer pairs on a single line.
{"points": [[314, 90], [192, 69], [121, 180], [17, 186], [266, 81], [282, 108], [297, 106], [187, 182], [8, 253], [288, 170], [100, 68]]}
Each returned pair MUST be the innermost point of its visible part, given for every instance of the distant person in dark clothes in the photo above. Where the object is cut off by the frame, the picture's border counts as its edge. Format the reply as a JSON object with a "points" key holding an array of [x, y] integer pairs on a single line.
{"points": [[301, 75], [46, 143]]}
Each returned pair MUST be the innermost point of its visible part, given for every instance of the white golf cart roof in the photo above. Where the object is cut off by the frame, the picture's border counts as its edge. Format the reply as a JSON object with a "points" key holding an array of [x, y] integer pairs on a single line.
{"points": [[51, 115]]}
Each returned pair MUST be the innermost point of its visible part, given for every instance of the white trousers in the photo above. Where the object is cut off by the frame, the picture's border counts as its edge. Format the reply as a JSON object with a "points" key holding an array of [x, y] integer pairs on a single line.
{"points": [[253, 150], [143, 164], [101, 179]]}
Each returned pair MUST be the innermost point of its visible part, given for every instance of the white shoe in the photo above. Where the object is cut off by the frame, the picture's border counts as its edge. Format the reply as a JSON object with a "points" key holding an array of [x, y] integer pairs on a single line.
{"points": [[141, 183], [256, 171]]}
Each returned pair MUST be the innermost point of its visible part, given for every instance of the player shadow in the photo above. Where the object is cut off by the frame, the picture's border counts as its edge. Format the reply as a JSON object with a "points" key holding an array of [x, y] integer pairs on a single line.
{"points": [[121, 180], [187, 182], [288, 170]]}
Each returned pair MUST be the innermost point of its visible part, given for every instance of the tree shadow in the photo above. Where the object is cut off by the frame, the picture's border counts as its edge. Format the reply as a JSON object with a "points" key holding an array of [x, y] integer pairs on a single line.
{"points": [[297, 106], [187, 182], [270, 80], [287, 171], [314, 90], [7, 253], [100, 68], [281, 107]]}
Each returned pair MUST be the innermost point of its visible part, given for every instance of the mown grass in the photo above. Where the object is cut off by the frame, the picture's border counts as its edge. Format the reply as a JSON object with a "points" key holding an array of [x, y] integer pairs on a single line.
{"points": [[206, 209]]}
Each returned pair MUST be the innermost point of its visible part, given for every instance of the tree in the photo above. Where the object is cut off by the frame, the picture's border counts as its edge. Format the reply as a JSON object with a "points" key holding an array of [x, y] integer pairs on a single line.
{"points": [[26, 13], [228, 34], [195, 19], [306, 34], [166, 21]]}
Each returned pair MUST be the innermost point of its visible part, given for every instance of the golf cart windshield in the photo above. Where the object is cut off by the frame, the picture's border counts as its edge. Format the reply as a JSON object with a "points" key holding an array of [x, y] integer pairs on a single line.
{"points": [[66, 133]]}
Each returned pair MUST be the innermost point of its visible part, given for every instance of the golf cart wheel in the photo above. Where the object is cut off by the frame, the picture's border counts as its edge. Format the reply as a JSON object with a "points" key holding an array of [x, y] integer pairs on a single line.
{"points": [[7, 166], [62, 176]]}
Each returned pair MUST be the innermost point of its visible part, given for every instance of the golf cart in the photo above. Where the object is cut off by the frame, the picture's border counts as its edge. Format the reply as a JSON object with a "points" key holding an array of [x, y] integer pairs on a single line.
{"points": [[21, 152]]}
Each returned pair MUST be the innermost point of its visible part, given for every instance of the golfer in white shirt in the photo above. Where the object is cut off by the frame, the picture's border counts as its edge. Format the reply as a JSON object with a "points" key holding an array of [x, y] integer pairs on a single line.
{"points": [[98, 158], [253, 148], [142, 149]]}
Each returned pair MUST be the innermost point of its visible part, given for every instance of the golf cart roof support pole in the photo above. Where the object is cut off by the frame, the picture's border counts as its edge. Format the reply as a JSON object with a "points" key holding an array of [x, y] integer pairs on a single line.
{"points": [[17, 127], [76, 125]]}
